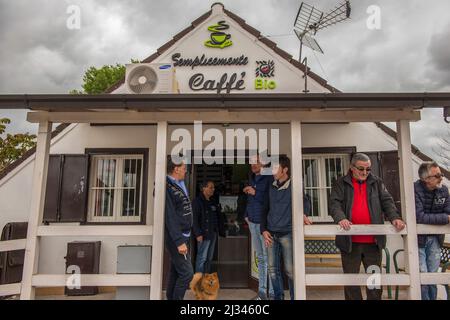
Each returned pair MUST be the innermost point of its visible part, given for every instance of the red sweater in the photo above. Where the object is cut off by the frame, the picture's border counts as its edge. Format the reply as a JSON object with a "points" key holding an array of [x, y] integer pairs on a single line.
{"points": [[360, 210]]}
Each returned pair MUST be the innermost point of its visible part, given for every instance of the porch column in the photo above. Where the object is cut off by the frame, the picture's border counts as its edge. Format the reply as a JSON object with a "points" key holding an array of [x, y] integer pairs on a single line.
{"points": [[30, 266], [408, 207], [158, 212], [298, 235]]}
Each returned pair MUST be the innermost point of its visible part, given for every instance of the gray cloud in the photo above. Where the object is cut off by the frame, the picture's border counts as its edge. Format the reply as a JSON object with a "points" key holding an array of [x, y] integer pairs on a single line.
{"points": [[39, 54]]}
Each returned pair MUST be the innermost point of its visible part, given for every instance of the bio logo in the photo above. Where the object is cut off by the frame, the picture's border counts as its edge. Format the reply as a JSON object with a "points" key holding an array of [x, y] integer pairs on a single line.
{"points": [[265, 69]]}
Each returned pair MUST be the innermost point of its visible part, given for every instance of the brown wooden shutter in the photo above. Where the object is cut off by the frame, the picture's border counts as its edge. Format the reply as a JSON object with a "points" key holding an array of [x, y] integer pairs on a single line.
{"points": [[66, 192], [375, 163], [51, 205], [390, 174], [74, 187]]}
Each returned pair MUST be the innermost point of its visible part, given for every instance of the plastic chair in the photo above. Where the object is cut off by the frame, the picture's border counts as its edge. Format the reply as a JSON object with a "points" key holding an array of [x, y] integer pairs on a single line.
{"points": [[444, 265]]}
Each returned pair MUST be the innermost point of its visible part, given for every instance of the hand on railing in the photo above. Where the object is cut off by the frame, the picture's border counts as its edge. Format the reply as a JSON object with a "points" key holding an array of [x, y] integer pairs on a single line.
{"points": [[306, 220], [345, 224], [398, 224]]}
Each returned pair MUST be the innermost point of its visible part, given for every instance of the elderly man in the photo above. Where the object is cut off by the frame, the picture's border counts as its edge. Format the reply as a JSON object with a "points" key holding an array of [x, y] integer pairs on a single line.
{"points": [[361, 198], [432, 207], [178, 224], [209, 222]]}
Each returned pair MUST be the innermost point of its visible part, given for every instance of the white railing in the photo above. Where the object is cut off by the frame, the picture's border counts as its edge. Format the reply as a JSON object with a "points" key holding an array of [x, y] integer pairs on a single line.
{"points": [[105, 280], [364, 279]]}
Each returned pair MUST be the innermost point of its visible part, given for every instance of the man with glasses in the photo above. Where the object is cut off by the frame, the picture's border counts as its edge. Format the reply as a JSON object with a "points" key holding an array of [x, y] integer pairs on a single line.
{"points": [[432, 207], [178, 223], [361, 198]]}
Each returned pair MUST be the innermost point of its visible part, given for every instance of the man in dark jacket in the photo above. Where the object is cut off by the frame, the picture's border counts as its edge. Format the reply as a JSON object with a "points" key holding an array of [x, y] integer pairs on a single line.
{"points": [[256, 191], [178, 224], [432, 207], [276, 227], [361, 198], [209, 221]]}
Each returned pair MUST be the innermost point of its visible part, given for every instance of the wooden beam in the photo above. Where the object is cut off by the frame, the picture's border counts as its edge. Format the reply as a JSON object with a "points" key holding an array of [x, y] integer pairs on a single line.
{"points": [[10, 289], [159, 211], [226, 116], [362, 229], [36, 208], [408, 207], [80, 231], [360, 279], [433, 229], [12, 245], [298, 236], [104, 280], [435, 278]]}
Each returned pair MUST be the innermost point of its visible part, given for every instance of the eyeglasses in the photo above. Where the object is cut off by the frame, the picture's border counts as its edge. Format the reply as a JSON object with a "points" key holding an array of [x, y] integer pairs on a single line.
{"points": [[437, 176], [363, 169]]}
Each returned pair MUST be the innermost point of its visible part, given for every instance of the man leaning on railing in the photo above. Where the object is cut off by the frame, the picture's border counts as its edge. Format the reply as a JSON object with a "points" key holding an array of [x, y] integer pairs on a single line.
{"points": [[432, 207], [361, 198]]}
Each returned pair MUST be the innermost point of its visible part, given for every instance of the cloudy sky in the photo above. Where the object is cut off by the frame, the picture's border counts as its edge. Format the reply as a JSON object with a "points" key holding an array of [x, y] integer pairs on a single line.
{"points": [[409, 53]]}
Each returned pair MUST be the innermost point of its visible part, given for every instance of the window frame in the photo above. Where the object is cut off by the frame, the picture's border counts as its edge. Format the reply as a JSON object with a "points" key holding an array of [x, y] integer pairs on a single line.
{"points": [[120, 154], [320, 154]]}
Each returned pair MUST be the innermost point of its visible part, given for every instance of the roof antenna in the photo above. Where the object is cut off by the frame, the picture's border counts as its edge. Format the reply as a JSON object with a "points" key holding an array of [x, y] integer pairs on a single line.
{"points": [[309, 20]]}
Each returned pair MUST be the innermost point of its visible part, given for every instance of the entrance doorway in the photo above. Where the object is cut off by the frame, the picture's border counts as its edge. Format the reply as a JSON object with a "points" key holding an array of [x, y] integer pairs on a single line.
{"points": [[231, 255]]}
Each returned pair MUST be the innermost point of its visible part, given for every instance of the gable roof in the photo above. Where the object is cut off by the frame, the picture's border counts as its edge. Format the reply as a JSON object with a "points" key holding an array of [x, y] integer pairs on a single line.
{"points": [[241, 22], [272, 45]]}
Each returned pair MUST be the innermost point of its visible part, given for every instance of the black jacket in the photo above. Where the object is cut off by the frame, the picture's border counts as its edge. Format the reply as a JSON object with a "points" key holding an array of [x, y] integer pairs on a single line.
{"points": [[381, 204], [178, 214], [204, 223], [432, 207]]}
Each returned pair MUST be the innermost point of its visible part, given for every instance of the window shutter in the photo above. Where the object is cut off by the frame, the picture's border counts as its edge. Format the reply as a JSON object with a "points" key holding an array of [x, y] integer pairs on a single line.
{"points": [[51, 205], [74, 187], [390, 174], [375, 163], [66, 191]]}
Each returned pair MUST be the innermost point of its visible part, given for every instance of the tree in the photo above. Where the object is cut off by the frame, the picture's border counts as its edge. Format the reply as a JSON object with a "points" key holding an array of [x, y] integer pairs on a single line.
{"points": [[13, 146], [442, 151], [97, 80]]}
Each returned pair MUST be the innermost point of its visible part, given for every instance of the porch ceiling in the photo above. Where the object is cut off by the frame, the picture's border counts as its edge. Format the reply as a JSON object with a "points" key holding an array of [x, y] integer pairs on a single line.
{"points": [[232, 102]]}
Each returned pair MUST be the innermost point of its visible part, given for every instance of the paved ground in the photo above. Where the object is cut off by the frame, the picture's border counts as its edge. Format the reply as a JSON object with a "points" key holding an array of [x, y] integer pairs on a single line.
{"points": [[235, 294]]}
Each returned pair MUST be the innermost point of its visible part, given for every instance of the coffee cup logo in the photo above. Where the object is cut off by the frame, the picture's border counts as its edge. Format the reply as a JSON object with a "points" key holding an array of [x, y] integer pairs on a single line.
{"points": [[218, 38]]}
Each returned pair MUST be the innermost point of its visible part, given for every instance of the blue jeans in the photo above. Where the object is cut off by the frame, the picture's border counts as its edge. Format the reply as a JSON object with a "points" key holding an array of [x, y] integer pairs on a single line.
{"points": [[282, 246], [205, 254], [261, 255], [429, 261]]}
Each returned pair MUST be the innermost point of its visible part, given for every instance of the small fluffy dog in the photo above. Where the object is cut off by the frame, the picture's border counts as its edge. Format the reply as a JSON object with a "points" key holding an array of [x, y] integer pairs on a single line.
{"points": [[205, 286]]}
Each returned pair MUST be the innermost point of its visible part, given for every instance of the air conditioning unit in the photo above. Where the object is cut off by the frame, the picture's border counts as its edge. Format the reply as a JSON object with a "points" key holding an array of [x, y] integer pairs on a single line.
{"points": [[146, 78]]}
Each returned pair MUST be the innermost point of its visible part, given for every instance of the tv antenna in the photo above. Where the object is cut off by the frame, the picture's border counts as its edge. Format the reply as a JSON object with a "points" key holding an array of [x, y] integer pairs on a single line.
{"points": [[309, 20]]}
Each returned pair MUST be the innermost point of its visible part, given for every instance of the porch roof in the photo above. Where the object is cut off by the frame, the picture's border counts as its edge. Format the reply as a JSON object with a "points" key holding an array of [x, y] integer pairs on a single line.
{"points": [[235, 102]]}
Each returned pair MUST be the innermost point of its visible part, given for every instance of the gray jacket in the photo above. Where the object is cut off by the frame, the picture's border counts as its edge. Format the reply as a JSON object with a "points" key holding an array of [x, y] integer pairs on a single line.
{"points": [[381, 204]]}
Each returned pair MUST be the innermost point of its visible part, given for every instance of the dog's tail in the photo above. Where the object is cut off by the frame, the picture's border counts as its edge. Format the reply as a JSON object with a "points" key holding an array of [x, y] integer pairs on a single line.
{"points": [[195, 279]]}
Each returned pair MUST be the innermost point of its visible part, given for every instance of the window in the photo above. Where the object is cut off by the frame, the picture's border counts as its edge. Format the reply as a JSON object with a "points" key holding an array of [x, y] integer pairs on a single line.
{"points": [[115, 188], [319, 174]]}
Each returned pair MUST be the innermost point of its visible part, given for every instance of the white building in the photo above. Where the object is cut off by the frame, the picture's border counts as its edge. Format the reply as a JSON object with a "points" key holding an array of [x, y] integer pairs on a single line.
{"points": [[120, 138]]}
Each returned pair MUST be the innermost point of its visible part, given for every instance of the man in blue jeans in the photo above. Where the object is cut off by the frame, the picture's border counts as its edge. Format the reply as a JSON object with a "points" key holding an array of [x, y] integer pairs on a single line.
{"points": [[276, 227], [432, 207], [257, 191], [178, 224]]}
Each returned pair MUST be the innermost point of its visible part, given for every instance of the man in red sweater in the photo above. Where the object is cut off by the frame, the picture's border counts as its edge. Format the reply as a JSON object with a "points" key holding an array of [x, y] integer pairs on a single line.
{"points": [[361, 198]]}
